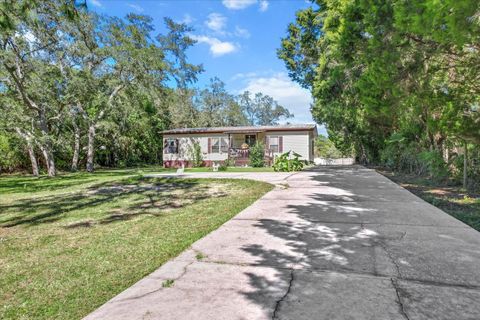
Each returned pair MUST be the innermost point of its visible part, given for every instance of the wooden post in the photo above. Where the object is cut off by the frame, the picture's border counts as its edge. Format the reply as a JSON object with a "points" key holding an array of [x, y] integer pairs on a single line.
{"points": [[229, 147]]}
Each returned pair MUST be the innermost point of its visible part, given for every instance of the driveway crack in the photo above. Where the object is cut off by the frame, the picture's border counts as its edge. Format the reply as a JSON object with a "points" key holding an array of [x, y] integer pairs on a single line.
{"points": [[161, 286], [277, 304], [383, 245], [399, 299]]}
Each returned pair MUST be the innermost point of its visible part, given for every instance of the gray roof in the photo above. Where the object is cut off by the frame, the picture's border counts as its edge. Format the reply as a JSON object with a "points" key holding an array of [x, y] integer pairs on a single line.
{"points": [[242, 129]]}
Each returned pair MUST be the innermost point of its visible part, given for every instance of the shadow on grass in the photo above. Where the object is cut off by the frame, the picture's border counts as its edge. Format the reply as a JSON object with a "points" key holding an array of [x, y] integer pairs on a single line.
{"points": [[19, 184], [149, 196]]}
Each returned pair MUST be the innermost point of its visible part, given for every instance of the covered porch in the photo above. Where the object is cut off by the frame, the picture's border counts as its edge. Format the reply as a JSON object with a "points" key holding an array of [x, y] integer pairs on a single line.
{"points": [[240, 143]]}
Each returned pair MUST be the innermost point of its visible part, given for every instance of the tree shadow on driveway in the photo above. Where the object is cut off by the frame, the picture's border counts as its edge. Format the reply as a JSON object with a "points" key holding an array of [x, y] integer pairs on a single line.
{"points": [[337, 266], [325, 235]]}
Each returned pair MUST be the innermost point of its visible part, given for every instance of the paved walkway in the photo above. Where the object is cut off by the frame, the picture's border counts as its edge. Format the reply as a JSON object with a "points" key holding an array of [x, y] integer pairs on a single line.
{"points": [[338, 243]]}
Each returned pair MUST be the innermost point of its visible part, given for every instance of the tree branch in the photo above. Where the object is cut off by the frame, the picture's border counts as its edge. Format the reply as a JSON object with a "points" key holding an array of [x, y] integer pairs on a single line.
{"points": [[21, 89]]}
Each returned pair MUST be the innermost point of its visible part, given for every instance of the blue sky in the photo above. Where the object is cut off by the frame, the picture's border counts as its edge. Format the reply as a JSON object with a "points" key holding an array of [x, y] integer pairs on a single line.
{"points": [[237, 42]]}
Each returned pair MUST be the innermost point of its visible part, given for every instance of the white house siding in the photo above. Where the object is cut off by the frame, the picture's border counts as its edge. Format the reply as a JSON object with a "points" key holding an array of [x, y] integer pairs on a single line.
{"points": [[186, 143], [311, 145], [297, 141]]}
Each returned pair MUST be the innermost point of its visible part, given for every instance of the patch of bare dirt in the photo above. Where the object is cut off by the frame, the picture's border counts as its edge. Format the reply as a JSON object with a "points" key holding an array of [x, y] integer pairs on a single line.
{"points": [[158, 199]]}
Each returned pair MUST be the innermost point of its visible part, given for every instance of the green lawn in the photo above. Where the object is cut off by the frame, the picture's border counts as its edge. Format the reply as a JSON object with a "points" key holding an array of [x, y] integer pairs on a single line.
{"points": [[21, 183], [70, 243], [232, 169]]}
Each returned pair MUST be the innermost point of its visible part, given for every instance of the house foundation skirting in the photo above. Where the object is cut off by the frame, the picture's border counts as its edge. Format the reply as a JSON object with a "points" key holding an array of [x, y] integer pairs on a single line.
{"points": [[209, 163], [186, 163]]}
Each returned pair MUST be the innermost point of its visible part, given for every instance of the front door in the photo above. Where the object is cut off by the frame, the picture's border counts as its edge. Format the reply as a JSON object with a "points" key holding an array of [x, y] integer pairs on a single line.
{"points": [[250, 139]]}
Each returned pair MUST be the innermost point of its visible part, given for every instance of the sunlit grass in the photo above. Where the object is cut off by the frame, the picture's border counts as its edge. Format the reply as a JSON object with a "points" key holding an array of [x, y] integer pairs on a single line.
{"points": [[17, 184], [69, 244]]}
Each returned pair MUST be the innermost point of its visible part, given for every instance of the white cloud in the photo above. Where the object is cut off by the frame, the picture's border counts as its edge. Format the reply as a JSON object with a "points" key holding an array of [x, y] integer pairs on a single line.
{"points": [[242, 33], [187, 19], [216, 22], [217, 48], [242, 4], [96, 3], [243, 75], [279, 86], [136, 7], [238, 4], [263, 5]]}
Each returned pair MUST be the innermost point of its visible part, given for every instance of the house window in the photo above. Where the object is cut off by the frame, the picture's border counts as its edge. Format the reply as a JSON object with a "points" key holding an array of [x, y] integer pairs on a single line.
{"points": [[273, 143], [215, 145], [250, 139], [219, 145], [171, 146], [224, 145]]}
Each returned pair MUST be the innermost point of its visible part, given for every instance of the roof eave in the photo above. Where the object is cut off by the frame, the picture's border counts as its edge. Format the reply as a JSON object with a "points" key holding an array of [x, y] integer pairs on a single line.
{"points": [[185, 131]]}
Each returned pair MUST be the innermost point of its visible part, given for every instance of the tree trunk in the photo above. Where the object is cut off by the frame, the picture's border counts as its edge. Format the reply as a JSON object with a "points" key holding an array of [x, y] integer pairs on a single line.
{"points": [[46, 146], [363, 159], [33, 158], [90, 148], [465, 164], [76, 146], [446, 153], [48, 156], [31, 152], [52, 170]]}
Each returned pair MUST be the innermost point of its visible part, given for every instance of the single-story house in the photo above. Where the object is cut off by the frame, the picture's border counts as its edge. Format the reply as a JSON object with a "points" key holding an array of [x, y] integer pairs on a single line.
{"points": [[217, 144]]}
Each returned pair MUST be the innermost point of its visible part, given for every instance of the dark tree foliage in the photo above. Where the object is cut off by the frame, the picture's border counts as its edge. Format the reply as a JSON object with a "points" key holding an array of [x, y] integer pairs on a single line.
{"points": [[79, 90], [396, 80]]}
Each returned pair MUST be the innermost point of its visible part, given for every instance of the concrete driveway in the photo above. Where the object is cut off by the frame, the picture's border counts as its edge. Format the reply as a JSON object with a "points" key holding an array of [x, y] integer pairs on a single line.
{"points": [[338, 243]]}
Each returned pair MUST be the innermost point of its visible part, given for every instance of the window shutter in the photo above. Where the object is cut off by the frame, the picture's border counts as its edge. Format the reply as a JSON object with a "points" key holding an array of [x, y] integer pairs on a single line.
{"points": [[209, 145], [280, 144], [177, 144]]}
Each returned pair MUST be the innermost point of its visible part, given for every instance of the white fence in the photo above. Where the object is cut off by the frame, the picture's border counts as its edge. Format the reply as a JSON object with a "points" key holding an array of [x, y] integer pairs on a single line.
{"points": [[334, 162]]}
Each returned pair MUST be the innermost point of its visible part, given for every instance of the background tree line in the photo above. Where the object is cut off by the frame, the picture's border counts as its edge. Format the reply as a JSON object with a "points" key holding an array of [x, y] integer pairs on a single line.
{"points": [[79, 89], [397, 82]]}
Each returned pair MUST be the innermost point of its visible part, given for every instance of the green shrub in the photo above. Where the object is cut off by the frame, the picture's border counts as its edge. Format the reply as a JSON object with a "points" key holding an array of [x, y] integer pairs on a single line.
{"points": [[286, 163], [8, 155], [4, 148], [473, 168], [196, 155], [225, 164], [295, 163], [325, 148], [434, 164], [257, 155], [228, 162], [399, 154]]}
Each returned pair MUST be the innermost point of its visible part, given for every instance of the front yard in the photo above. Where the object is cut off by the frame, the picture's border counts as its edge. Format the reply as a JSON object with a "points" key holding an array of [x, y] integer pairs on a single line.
{"points": [[70, 243]]}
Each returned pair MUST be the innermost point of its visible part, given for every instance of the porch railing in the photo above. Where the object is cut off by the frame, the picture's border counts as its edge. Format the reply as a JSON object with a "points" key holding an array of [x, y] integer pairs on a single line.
{"points": [[244, 154], [239, 153]]}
